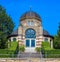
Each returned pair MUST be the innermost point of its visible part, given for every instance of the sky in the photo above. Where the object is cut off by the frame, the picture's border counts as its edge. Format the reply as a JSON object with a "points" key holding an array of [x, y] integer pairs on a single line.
{"points": [[49, 11]]}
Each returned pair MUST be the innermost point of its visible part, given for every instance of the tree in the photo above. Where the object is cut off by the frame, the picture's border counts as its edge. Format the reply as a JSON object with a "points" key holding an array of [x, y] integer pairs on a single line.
{"points": [[55, 42], [57, 39], [6, 27]]}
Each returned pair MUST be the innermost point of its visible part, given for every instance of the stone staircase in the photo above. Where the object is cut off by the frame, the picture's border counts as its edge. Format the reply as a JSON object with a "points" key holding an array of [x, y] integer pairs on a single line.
{"points": [[29, 55]]}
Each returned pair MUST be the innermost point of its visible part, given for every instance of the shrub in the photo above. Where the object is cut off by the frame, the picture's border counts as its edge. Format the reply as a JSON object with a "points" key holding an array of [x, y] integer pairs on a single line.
{"points": [[22, 48], [10, 52], [49, 52], [38, 49], [46, 45], [53, 53]]}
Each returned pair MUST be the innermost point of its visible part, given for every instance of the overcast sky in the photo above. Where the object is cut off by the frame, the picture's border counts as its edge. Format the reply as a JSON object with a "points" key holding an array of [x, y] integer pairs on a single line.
{"points": [[49, 11]]}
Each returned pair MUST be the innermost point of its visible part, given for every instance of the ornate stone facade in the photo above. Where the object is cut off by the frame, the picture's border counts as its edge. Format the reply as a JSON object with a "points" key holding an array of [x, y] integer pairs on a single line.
{"points": [[33, 21]]}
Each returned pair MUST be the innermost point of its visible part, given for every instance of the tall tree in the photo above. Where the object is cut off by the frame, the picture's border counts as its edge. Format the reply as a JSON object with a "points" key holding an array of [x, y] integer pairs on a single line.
{"points": [[57, 39], [6, 27], [55, 42]]}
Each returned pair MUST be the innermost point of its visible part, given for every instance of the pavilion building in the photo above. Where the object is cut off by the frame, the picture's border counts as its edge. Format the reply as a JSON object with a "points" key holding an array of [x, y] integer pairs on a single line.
{"points": [[30, 32]]}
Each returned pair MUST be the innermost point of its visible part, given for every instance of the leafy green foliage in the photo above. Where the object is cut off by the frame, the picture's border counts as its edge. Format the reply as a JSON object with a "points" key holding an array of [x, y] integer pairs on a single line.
{"points": [[49, 52], [6, 27], [38, 49], [53, 53], [10, 52], [22, 48], [13, 44], [55, 45], [57, 39], [46, 45]]}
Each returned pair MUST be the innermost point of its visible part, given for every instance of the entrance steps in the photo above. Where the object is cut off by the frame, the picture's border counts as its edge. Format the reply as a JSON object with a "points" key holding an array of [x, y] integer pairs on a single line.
{"points": [[30, 50], [29, 55]]}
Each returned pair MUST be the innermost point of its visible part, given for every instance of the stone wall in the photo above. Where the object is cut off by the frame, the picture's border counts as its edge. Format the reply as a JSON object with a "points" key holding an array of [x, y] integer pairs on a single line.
{"points": [[29, 60]]}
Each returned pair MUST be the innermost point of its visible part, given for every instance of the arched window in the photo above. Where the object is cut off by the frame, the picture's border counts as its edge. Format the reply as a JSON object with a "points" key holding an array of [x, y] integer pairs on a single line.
{"points": [[14, 39], [30, 33]]}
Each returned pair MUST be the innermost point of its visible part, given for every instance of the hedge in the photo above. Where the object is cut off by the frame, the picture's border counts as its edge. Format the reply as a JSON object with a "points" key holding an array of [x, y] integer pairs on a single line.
{"points": [[49, 52], [53, 53], [10, 52], [46, 45]]}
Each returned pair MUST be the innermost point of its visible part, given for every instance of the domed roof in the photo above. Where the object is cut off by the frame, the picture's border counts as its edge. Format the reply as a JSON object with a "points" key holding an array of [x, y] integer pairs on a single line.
{"points": [[29, 15]]}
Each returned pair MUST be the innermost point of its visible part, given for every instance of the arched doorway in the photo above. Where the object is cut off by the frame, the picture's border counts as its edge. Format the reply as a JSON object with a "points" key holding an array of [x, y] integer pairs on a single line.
{"points": [[30, 35]]}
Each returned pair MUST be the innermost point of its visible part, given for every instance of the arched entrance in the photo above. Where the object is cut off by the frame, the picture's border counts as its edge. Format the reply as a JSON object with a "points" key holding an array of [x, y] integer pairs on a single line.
{"points": [[30, 42]]}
